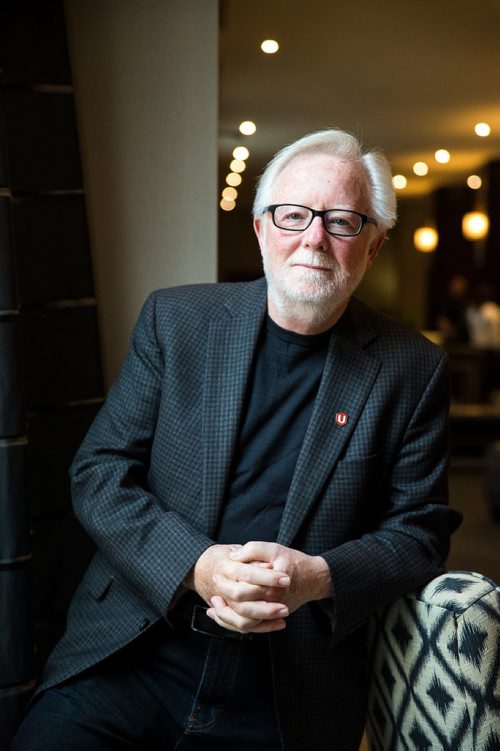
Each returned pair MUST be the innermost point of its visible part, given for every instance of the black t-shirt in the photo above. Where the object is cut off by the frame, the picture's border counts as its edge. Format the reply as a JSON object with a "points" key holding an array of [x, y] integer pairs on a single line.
{"points": [[285, 379]]}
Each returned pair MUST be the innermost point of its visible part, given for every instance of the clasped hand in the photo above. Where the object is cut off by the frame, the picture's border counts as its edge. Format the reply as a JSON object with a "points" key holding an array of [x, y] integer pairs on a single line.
{"points": [[254, 587]]}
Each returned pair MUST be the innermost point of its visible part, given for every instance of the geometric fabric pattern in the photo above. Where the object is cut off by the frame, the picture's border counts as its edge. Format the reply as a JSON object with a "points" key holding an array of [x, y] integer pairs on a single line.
{"points": [[434, 657]]}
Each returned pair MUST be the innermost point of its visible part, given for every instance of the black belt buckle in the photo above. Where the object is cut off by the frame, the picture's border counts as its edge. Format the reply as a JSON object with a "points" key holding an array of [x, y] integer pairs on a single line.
{"points": [[202, 624]]}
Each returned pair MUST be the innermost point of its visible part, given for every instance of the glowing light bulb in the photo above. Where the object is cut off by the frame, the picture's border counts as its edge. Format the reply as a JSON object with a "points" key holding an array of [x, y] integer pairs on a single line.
{"points": [[233, 179], [227, 205], [475, 225], [442, 156], [482, 129], [230, 194], [270, 46], [247, 127], [474, 182], [425, 239], [237, 165], [420, 168], [241, 152], [400, 182]]}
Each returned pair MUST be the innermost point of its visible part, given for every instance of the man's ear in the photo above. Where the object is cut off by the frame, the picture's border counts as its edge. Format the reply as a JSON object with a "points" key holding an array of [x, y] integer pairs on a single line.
{"points": [[375, 247], [259, 231]]}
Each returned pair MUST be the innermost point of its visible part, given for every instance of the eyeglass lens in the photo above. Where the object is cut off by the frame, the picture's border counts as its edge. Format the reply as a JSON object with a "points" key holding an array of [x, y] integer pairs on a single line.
{"points": [[337, 221]]}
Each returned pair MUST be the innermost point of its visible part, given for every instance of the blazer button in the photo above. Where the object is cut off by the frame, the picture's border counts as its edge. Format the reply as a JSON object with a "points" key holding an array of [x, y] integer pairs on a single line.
{"points": [[144, 624]]}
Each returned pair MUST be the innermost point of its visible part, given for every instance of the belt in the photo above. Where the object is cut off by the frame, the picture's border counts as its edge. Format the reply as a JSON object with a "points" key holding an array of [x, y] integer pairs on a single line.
{"points": [[197, 619]]}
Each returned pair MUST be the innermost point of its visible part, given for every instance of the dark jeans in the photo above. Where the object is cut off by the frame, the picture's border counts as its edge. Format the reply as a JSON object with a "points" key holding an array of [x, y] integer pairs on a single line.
{"points": [[178, 691]]}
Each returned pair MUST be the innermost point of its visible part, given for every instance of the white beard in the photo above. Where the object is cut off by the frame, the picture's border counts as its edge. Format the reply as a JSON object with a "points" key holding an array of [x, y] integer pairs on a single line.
{"points": [[307, 294]]}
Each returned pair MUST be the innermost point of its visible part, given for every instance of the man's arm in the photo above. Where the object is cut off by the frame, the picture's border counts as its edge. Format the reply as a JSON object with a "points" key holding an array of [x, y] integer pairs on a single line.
{"points": [[410, 542], [147, 544]]}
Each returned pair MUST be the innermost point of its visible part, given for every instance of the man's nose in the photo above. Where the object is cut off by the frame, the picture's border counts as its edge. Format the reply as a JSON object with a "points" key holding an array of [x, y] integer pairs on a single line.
{"points": [[316, 235]]}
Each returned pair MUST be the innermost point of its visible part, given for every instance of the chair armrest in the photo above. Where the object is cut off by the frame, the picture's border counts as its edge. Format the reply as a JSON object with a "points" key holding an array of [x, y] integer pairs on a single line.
{"points": [[434, 660]]}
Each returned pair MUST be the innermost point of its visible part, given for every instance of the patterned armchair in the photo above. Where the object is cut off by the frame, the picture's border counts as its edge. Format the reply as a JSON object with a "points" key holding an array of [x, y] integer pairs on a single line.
{"points": [[435, 662]]}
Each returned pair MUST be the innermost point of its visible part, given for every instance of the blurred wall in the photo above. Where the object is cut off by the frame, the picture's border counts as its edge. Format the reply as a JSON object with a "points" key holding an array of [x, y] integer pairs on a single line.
{"points": [[145, 81]]}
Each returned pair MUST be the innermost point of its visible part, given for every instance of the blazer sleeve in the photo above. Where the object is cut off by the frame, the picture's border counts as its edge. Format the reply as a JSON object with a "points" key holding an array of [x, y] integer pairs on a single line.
{"points": [[151, 547], [410, 541]]}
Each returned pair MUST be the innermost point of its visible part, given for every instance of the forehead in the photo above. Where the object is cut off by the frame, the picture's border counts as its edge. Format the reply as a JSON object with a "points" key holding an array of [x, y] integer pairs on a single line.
{"points": [[318, 178]]}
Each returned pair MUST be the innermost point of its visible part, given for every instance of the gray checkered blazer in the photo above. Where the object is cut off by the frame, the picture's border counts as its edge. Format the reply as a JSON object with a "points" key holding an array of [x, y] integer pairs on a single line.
{"points": [[369, 491]]}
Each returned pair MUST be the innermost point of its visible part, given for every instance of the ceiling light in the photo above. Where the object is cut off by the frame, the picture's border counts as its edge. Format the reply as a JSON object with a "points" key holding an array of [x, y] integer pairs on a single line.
{"points": [[420, 168], [482, 129], [227, 205], [442, 156], [474, 182], [230, 194], [399, 182], [475, 225], [237, 165], [270, 46], [425, 239], [247, 127], [233, 178], [241, 152]]}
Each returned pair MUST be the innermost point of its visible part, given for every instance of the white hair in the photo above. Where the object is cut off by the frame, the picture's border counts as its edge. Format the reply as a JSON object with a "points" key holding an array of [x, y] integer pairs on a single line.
{"points": [[337, 143]]}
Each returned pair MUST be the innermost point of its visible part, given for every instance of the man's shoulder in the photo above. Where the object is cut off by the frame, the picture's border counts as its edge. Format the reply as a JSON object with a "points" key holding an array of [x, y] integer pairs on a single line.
{"points": [[209, 297], [190, 309], [391, 334]]}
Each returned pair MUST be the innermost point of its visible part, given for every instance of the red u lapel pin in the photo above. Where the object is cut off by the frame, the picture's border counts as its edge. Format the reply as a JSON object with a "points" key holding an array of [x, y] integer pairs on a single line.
{"points": [[341, 418]]}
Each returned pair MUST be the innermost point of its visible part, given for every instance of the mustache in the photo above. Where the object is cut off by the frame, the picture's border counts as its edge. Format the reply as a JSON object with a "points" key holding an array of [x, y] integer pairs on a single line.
{"points": [[312, 259]]}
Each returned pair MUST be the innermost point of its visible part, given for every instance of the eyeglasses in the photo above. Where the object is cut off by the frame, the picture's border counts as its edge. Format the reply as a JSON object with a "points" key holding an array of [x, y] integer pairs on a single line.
{"points": [[338, 222]]}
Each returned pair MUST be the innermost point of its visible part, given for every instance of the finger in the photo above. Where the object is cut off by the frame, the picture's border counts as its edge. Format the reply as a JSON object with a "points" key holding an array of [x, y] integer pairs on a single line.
{"points": [[264, 627], [243, 591], [225, 615], [257, 575], [256, 551], [255, 610]]}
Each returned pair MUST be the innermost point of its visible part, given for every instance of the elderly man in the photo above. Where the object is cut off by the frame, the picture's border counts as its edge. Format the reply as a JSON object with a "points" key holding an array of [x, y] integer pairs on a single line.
{"points": [[267, 471]]}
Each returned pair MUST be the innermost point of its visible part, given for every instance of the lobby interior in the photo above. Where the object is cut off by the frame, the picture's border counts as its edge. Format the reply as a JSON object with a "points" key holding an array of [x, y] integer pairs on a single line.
{"points": [[409, 78]]}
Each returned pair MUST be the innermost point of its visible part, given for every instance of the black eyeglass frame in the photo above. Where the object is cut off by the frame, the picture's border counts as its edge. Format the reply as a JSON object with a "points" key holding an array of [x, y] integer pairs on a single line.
{"points": [[364, 218]]}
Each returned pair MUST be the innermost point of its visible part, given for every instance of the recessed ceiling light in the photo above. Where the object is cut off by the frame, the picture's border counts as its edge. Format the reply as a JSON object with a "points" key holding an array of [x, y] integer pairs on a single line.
{"points": [[241, 152], [233, 179], [400, 182], [237, 165], [420, 168], [482, 129], [248, 128], [230, 194], [227, 205], [442, 156], [270, 46], [474, 182]]}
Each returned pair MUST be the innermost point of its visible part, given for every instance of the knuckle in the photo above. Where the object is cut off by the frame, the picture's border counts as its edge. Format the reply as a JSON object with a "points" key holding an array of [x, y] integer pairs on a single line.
{"points": [[247, 626]]}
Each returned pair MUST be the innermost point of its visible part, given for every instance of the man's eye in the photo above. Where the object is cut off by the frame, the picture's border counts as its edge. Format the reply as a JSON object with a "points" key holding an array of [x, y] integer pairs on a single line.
{"points": [[293, 217], [341, 221]]}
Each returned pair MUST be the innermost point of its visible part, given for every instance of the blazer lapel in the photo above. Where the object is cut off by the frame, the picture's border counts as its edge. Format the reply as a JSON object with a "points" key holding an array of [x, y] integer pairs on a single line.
{"points": [[348, 377], [231, 346]]}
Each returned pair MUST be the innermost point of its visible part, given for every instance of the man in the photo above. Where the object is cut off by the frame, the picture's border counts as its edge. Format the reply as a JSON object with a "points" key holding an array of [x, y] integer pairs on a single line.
{"points": [[268, 470]]}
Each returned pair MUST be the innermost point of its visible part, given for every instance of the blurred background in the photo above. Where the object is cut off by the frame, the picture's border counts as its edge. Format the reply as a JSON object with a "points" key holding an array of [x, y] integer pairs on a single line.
{"points": [[119, 121]]}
